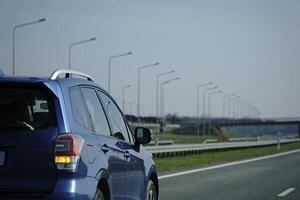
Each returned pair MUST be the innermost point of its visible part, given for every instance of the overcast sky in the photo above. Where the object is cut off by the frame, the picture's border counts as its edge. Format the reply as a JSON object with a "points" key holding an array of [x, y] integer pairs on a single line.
{"points": [[251, 48]]}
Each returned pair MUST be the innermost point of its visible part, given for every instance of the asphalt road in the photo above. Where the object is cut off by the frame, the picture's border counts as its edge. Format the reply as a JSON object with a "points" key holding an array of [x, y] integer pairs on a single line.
{"points": [[263, 179]]}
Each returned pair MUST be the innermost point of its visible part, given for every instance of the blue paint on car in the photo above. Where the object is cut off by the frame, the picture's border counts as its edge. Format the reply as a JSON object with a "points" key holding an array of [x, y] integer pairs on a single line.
{"points": [[66, 138]]}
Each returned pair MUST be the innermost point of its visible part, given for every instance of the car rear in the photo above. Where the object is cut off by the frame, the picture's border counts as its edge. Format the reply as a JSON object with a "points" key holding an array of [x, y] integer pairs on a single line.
{"points": [[28, 130], [39, 156]]}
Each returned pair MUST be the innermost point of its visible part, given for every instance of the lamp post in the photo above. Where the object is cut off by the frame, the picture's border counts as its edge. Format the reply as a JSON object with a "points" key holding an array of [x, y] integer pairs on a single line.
{"points": [[243, 113], [198, 109], [139, 87], [203, 120], [236, 108], [230, 113], [255, 112], [157, 91], [123, 97], [224, 106], [235, 112], [209, 105], [162, 94], [14, 30], [77, 43], [109, 65], [229, 104], [224, 103]]}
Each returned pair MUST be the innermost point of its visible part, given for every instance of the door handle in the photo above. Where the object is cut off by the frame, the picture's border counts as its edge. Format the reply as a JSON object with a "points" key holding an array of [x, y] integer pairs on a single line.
{"points": [[126, 154], [105, 148]]}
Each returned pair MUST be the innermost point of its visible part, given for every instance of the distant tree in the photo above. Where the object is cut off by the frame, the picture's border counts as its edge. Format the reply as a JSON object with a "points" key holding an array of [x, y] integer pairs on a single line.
{"points": [[173, 118]]}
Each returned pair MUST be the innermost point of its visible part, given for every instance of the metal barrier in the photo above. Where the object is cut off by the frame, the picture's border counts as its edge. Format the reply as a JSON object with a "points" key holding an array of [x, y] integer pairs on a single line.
{"points": [[177, 150]]}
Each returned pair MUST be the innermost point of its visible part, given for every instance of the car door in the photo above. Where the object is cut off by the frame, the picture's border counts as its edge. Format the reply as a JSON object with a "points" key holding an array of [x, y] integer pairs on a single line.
{"points": [[113, 159], [135, 171], [134, 165], [82, 124]]}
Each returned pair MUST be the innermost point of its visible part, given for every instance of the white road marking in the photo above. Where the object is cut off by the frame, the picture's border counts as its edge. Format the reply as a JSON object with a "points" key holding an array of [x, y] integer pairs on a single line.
{"points": [[286, 192], [227, 164]]}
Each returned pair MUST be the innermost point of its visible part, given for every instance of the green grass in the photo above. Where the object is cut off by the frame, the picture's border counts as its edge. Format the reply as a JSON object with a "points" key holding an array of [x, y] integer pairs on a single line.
{"points": [[178, 163], [234, 134], [180, 139]]}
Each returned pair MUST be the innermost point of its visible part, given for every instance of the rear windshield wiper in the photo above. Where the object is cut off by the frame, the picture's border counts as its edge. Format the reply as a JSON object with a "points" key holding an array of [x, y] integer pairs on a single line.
{"points": [[17, 124]]}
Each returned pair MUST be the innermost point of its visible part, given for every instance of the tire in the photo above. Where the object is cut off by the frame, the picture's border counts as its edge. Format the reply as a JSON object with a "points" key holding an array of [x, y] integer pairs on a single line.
{"points": [[151, 191], [99, 195]]}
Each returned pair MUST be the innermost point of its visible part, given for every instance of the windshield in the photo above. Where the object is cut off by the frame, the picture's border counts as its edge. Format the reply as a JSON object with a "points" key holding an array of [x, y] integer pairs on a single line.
{"points": [[24, 110]]}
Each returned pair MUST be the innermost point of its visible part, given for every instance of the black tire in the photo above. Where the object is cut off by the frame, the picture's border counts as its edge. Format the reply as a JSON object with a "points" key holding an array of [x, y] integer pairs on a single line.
{"points": [[99, 195], [151, 191]]}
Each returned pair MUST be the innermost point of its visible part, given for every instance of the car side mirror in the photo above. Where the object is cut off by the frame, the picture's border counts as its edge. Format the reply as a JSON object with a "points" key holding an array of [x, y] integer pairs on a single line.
{"points": [[142, 135]]}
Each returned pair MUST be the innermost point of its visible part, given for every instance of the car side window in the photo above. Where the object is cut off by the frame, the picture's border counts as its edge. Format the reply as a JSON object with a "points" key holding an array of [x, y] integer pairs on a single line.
{"points": [[119, 129], [79, 109], [130, 133], [96, 112]]}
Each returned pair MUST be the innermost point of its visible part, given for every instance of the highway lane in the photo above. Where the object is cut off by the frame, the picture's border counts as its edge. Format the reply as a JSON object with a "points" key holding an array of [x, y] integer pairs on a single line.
{"points": [[263, 179]]}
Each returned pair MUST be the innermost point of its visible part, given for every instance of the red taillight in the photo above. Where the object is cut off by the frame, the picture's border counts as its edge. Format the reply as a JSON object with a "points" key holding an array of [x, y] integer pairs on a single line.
{"points": [[67, 151]]}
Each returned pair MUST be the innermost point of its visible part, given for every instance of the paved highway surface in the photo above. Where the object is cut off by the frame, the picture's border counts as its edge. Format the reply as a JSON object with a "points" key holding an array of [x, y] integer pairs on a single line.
{"points": [[272, 178]]}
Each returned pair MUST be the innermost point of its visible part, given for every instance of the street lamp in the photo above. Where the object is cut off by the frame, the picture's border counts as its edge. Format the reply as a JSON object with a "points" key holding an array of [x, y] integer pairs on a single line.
{"points": [[209, 105], [77, 43], [123, 97], [225, 114], [162, 94], [230, 100], [237, 108], [230, 114], [139, 86], [243, 113], [224, 103], [14, 30], [204, 91], [198, 109], [109, 65], [157, 91], [235, 113], [255, 112]]}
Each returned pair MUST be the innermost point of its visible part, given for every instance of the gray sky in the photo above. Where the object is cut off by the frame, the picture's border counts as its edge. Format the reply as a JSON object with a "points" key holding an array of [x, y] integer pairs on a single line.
{"points": [[251, 48]]}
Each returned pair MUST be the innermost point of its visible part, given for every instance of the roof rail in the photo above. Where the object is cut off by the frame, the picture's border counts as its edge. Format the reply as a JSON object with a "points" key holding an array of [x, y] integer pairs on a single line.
{"points": [[55, 75]]}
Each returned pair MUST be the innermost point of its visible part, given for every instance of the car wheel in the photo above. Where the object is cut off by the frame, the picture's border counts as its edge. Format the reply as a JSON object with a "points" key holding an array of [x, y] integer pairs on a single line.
{"points": [[99, 195], [151, 191]]}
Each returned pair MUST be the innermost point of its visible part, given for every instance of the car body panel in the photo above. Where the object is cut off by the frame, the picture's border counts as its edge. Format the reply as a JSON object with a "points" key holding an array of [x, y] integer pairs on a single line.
{"points": [[127, 176]]}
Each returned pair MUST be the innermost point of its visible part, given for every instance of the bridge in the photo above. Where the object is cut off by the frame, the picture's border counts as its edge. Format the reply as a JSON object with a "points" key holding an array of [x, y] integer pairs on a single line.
{"points": [[258, 122]]}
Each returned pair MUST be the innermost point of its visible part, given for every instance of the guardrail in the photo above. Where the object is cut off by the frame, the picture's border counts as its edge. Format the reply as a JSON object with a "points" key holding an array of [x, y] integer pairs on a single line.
{"points": [[176, 150], [210, 141], [242, 139], [161, 142]]}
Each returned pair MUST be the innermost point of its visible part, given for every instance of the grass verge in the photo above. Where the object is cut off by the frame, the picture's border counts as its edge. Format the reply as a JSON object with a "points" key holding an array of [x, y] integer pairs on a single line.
{"points": [[179, 163]]}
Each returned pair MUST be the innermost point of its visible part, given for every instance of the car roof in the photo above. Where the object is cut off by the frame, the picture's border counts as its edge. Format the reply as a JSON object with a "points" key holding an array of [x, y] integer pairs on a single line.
{"points": [[23, 79], [71, 81]]}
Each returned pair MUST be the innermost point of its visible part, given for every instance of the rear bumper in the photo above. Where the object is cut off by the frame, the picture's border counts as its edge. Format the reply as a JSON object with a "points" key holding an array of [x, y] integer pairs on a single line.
{"points": [[74, 188], [65, 188]]}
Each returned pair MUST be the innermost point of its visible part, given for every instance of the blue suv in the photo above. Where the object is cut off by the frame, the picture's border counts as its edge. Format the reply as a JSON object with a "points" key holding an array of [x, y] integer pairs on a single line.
{"points": [[64, 137]]}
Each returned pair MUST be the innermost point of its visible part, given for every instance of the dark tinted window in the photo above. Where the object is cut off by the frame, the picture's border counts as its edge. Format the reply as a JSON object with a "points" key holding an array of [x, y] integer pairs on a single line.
{"points": [[79, 109], [96, 111], [130, 133], [115, 117], [25, 109]]}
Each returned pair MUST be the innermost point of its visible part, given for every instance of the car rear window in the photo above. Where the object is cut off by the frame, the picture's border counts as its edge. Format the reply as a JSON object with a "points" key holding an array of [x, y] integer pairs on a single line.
{"points": [[25, 109]]}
